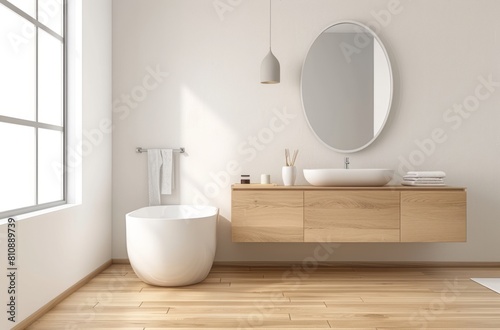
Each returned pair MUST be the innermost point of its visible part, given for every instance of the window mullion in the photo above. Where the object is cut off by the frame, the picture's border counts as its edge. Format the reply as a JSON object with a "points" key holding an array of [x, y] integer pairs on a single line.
{"points": [[36, 104], [65, 100], [23, 122], [36, 165], [36, 73]]}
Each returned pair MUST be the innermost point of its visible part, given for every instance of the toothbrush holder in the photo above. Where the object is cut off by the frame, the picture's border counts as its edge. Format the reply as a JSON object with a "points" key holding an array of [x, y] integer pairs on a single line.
{"points": [[289, 173]]}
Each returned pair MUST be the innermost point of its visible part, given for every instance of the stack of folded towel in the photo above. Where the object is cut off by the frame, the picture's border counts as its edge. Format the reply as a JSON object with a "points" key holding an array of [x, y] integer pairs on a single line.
{"points": [[424, 178]]}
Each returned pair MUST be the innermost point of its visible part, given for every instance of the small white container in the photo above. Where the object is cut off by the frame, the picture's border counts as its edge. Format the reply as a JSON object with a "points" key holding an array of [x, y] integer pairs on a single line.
{"points": [[265, 179]]}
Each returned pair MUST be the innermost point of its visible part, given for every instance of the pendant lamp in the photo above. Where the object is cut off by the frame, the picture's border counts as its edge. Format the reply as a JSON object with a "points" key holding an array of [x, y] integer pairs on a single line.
{"points": [[270, 67]]}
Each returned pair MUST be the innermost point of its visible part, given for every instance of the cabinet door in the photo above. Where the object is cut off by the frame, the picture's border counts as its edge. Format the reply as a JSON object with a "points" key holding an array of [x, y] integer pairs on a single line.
{"points": [[433, 216], [351, 216], [267, 216]]}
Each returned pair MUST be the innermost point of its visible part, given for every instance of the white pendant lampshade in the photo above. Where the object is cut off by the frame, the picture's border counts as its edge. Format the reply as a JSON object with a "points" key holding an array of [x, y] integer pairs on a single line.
{"points": [[270, 67]]}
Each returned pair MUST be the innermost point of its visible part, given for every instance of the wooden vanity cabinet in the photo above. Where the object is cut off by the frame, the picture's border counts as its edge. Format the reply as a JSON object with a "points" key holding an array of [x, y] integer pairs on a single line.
{"points": [[348, 214]]}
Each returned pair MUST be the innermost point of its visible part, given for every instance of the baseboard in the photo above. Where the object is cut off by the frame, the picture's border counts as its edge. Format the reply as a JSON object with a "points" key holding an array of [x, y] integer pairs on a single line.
{"points": [[425, 264], [361, 264], [51, 304]]}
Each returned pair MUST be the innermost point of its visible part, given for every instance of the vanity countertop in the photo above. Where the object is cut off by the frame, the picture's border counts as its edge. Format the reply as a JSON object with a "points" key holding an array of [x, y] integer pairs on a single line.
{"points": [[258, 186]]}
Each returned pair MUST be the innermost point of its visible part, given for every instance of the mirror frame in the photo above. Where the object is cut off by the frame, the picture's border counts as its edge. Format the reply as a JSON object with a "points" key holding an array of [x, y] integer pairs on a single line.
{"points": [[391, 86]]}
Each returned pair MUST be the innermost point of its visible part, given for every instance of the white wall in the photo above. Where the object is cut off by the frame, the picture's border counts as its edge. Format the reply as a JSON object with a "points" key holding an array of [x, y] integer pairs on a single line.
{"points": [[58, 249], [212, 103]]}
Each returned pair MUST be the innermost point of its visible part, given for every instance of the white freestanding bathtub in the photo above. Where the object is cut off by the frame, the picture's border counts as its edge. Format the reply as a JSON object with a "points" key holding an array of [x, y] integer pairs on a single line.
{"points": [[172, 245]]}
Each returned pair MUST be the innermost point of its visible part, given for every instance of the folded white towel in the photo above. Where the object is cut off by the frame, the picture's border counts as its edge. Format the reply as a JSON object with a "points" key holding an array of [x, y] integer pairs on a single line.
{"points": [[426, 174], [422, 183], [154, 164], [409, 178], [167, 170]]}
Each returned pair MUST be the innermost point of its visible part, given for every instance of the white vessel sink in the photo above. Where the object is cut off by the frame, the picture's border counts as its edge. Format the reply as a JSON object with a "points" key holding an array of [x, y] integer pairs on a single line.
{"points": [[336, 177]]}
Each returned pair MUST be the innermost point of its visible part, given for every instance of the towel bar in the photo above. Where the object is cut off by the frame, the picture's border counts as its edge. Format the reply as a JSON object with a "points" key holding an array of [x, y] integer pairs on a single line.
{"points": [[141, 150]]}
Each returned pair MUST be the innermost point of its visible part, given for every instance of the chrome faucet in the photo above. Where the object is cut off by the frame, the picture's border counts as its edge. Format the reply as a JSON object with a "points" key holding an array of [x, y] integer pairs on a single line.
{"points": [[346, 163]]}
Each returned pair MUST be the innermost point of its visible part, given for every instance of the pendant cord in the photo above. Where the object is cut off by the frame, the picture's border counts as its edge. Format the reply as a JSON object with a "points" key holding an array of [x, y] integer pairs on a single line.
{"points": [[270, 1]]}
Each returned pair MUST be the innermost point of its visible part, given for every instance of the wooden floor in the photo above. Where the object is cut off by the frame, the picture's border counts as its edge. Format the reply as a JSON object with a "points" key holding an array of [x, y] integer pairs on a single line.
{"points": [[285, 297]]}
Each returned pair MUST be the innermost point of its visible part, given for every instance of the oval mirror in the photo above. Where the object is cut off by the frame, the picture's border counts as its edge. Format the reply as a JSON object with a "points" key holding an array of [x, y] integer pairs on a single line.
{"points": [[346, 86]]}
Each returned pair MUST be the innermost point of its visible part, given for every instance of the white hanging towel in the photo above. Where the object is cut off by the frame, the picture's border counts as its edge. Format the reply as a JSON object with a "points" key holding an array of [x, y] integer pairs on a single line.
{"points": [[167, 171], [160, 174], [154, 165]]}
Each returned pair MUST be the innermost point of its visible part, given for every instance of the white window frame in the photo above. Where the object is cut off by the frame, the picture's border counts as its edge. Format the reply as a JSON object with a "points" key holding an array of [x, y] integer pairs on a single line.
{"points": [[37, 125]]}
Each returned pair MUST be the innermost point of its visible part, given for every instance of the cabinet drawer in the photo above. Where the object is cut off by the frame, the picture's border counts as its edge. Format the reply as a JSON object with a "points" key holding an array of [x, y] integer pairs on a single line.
{"points": [[351, 216], [267, 216], [439, 216]]}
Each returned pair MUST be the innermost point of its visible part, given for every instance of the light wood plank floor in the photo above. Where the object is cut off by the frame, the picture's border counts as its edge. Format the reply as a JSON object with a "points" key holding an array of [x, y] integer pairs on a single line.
{"points": [[285, 297]]}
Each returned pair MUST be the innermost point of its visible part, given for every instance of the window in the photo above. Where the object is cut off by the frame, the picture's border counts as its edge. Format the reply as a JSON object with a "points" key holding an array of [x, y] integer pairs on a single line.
{"points": [[32, 105]]}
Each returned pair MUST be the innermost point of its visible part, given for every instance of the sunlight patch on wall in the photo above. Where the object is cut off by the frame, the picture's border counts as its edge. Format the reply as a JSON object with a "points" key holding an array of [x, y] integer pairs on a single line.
{"points": [[209, 169]]}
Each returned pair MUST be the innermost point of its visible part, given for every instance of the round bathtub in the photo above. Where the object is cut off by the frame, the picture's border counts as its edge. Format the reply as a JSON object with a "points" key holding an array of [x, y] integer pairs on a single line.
{"points": [[172, 245]]}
